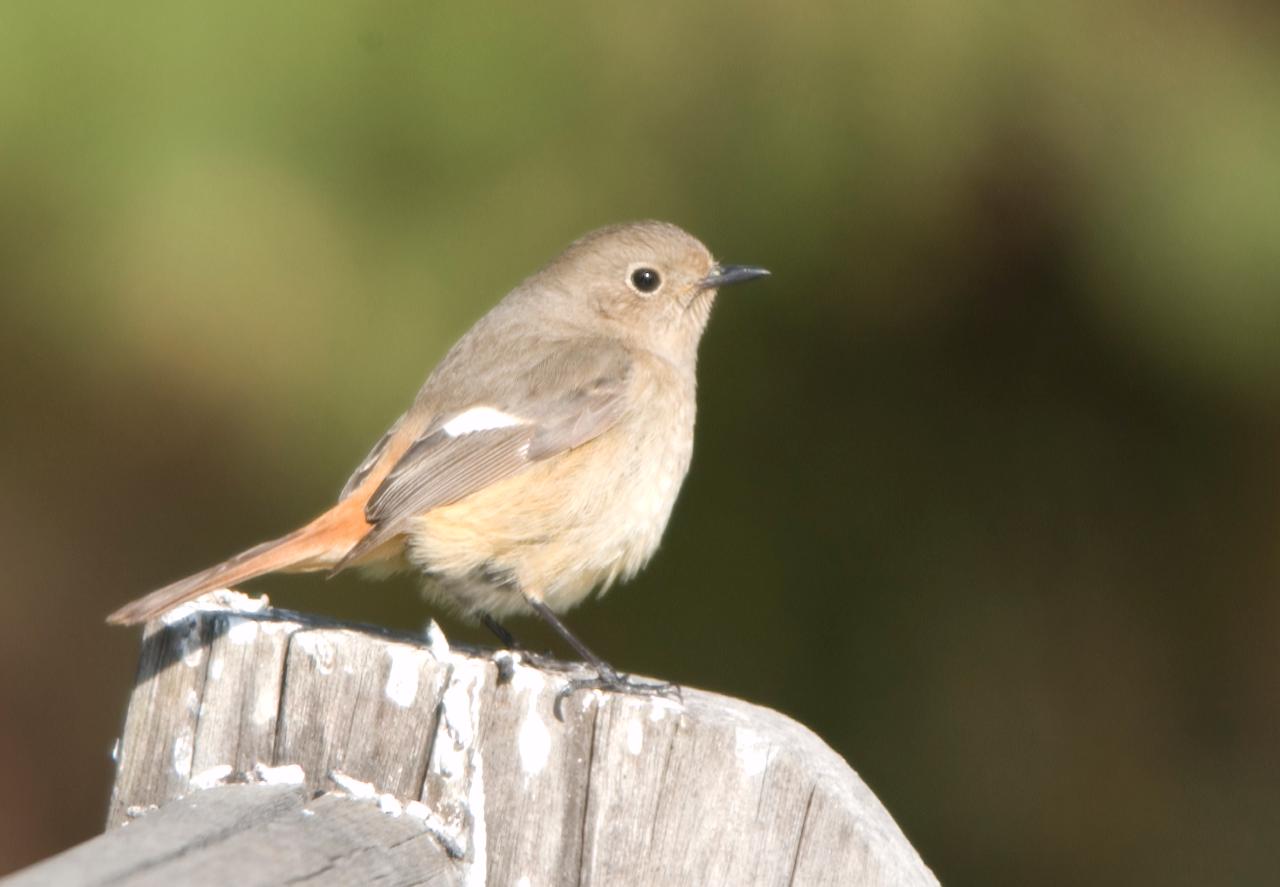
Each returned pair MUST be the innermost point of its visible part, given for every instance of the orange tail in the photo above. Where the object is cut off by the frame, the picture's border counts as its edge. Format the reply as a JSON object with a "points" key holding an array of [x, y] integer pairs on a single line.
{"points": [[319, 545]]}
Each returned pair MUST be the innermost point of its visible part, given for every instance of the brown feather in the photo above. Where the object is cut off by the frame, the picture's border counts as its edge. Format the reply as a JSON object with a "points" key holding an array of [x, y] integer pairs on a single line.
{"points": [[319, 545]]}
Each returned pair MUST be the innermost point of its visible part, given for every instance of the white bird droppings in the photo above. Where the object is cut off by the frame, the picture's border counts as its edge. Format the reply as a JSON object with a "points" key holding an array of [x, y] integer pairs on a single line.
{"points": [[402, 678], [360, 790], [535, 743], [319, 649], [459, 717], [222, 599], [210, 777], [242, 631], [183, 752], [287, 774], [590, 698], [266, 703], [459, 767], [354, 787], [434, 825], [235, 600], [661, 706], [635, 736], [478, 873], [533, 740]]}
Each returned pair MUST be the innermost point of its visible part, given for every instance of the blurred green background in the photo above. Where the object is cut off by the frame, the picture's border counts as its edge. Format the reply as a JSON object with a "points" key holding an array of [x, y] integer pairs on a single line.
{"points": [[985, 489]]}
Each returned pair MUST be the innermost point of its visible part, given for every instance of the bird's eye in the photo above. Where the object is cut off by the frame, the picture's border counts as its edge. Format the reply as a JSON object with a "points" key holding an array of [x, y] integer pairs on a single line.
{"points": [[645, 280]]}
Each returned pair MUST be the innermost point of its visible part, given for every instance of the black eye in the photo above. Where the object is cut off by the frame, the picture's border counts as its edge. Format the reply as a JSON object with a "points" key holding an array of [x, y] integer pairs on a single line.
{"points": [[646, 280]]}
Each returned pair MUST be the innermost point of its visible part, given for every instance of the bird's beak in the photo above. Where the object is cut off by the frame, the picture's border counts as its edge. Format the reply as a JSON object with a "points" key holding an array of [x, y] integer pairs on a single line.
{"points": [[723, 275]]}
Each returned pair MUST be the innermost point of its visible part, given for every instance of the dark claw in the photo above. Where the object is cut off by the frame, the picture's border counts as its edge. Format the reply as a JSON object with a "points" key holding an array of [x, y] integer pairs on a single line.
{"points": [[606, 678], [612, 682]]}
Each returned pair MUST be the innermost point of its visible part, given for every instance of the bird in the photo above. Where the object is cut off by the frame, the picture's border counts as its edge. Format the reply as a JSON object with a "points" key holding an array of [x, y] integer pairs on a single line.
{"points": [[541, 459]]}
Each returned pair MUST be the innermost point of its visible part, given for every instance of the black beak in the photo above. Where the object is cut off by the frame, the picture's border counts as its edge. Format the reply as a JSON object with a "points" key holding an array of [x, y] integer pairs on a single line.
{"points": [[723, 275]]}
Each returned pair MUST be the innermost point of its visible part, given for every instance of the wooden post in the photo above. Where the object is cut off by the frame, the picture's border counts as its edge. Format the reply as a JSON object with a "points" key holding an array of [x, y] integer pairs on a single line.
{"points": [[313, 751]]}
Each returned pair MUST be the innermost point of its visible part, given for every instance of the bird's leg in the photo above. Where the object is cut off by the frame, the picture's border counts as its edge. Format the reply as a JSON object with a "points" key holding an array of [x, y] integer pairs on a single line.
{"points": [[506, 663], [506, 638], [604, 669], [606, 677]]}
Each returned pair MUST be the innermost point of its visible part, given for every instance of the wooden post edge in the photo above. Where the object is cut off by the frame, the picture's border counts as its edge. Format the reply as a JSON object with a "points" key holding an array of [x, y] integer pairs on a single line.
{"points": [[351, 743]]}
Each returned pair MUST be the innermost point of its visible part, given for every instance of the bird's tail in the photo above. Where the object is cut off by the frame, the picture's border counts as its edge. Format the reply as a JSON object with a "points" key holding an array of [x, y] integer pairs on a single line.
{"points": [[319, 545]]}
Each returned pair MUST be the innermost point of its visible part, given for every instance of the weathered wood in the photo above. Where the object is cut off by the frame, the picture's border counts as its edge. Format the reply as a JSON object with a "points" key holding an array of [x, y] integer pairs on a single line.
{"points": [[254, 834], [626, 790]]}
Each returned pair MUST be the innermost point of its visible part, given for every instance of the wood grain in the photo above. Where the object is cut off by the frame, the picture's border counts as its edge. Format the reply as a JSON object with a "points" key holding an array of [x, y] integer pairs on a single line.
{"points": [[254, 834], [440, 746]]}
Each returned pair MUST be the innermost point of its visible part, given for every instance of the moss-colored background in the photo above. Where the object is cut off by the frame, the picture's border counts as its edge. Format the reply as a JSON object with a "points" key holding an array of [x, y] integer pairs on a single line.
{"points": [[986, 485]]}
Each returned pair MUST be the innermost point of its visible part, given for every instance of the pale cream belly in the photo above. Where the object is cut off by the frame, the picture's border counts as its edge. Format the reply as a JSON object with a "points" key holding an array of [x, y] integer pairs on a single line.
{"points": [[558, 530]]}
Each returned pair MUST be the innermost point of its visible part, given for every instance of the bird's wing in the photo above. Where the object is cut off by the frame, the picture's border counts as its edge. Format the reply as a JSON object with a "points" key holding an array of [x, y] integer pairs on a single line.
{"points": [[362, 470], [563, 400]]}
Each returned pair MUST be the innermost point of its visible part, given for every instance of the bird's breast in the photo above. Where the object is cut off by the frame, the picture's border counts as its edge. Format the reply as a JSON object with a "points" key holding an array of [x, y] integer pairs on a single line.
{"points": [[655, 441]]}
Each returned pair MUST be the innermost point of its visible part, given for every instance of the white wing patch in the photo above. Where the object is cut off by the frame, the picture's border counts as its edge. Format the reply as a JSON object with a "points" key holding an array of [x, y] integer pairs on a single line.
{"points": [[479, 419]]}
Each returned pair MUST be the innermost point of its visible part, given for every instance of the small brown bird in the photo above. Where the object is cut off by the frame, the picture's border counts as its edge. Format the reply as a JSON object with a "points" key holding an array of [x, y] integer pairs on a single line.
{"points": [[542, 457]]}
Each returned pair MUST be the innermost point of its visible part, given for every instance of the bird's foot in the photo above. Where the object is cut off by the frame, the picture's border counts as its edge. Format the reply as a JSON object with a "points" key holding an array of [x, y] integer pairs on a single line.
{"points": [[610, 681]]}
